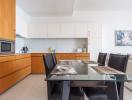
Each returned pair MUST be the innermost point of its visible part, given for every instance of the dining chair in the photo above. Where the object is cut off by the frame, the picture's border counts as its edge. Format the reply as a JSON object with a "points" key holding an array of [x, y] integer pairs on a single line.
{"points": [[54, 88], [49, 65], [54, 58], [48, 62], [118, 62], [101, 59]]}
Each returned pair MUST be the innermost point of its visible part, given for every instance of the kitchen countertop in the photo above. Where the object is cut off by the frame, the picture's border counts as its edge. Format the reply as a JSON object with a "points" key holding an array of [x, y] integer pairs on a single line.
{"points": [[4, 55], [60, 52]]}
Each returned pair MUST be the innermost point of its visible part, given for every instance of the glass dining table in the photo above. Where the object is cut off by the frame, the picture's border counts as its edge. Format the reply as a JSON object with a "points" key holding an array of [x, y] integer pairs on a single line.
{"points": [[69, 71]]}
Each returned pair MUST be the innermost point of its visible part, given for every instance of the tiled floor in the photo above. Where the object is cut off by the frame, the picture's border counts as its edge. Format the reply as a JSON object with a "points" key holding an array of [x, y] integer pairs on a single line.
{"points": [[34, 88]]}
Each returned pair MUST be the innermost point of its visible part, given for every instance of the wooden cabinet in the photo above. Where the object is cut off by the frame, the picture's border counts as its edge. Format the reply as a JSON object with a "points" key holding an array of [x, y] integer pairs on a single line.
{"points": [[13, 69], [38, 64], [73, 56], [7, 19], [12, 79], [12, 66]]}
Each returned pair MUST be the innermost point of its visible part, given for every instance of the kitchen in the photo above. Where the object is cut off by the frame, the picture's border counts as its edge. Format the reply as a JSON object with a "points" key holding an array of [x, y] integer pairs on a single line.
{"points": [[29, 31], [34, 40]]}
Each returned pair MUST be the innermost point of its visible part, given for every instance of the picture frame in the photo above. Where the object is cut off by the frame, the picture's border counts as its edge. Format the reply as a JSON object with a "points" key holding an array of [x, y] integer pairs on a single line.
{"points": [[123, 38]]}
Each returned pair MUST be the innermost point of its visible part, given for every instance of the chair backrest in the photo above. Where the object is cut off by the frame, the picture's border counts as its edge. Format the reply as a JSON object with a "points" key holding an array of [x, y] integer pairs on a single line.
{"points": [[48, 62], [54, 58], [119, 62], [101, 59]]}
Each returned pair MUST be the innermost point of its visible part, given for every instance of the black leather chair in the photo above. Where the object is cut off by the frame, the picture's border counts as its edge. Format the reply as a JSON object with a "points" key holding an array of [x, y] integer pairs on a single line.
{"points": [[54, 87], [49, 65], [101, 59], [118, 62], [54, 58], [48, 62]]}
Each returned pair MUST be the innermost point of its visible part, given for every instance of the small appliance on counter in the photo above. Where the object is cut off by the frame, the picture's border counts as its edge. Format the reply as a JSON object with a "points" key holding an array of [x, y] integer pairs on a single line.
{"points": [[7, 47], [81, 50], [50, 50], [84, 49], [24, 49]]}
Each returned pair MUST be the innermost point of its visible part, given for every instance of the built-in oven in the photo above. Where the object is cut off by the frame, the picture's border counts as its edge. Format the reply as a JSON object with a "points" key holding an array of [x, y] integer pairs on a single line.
{"points": [[7, 47]]}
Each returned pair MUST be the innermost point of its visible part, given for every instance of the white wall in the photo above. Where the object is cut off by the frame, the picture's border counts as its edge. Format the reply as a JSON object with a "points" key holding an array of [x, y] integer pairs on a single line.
{"points": [[61, 45], [109, 21], [121, 21]]}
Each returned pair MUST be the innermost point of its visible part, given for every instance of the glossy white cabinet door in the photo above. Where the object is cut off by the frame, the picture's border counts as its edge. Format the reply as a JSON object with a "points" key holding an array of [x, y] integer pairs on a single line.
{"points": [[37, 30], [53, 30], [58, 30], [67, 30], [21, 26], [81, 30]]}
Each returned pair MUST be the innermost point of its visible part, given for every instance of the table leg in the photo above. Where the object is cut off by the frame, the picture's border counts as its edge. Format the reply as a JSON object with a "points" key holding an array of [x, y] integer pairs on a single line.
{"points": [[112, 91], [65, 90], [49, 90]]}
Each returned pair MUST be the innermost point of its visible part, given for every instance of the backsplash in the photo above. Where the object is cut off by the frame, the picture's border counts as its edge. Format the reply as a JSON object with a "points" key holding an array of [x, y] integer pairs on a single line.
{"points": [[59, 45], [19, 44]]}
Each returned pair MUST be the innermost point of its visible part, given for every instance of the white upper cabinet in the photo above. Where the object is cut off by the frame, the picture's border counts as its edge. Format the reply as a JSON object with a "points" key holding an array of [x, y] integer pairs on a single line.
{"points": [[53, 30], [57, 30], [21, 26], [67, 30], [21, 22], [37, 30], [81, 30]]}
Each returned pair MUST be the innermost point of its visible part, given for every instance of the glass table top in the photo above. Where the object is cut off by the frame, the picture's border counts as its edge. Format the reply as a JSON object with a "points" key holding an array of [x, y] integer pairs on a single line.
{"points": [[77, 70]]}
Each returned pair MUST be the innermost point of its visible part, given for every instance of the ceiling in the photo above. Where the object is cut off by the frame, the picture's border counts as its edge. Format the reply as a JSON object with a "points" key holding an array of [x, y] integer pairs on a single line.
{"points": [[47, 7], [112, 5], [67, 7]]}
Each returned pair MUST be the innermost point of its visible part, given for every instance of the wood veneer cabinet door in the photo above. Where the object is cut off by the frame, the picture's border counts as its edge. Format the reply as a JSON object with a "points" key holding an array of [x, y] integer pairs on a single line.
{"points": [[37, 65], [7, 19], [10, 67], [12, 79], [66, 56], [73, 56]]}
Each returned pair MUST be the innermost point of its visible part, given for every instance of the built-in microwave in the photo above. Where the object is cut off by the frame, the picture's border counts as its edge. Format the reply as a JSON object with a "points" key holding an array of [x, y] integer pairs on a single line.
{"points": [[7, 47]]}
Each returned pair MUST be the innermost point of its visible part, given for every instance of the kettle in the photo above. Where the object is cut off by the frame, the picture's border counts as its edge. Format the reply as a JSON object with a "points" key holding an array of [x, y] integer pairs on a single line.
{"points": [[24, 49]]}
